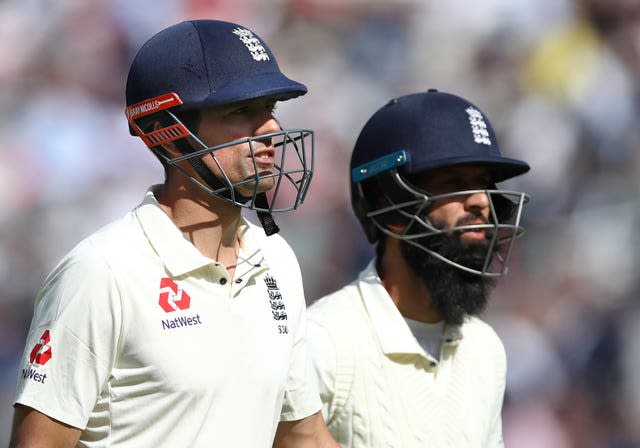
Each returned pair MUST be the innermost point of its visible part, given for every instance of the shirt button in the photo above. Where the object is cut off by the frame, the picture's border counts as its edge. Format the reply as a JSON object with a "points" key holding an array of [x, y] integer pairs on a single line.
{"points": [[223, 281]]}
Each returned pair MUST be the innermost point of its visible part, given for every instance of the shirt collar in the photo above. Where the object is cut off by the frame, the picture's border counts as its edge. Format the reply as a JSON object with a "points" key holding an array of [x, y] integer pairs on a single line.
{"points": [[392, 330], [177, 253]]}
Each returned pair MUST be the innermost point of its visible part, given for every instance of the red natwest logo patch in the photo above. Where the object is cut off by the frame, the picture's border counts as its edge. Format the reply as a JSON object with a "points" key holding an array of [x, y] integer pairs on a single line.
{"points": [[172, 297], [41, 352]]}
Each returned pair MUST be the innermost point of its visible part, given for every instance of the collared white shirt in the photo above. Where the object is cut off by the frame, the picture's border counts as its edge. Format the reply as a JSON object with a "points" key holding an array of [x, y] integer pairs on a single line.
{"points": [[393, 333], [142, 341], [381, 389]]}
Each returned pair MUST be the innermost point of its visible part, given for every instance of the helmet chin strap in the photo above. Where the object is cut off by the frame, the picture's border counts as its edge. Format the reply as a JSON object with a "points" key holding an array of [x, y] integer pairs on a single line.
{"points": [[266, 219]]}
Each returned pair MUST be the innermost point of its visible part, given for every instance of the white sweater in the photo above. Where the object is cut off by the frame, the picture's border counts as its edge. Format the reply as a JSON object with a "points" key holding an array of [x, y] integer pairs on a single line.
{"points": [[380, 389]]}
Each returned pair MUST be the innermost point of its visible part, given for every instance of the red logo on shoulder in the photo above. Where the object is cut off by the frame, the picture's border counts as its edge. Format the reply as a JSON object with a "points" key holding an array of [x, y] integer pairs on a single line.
{"points": [[172, 297], [41, 352]]}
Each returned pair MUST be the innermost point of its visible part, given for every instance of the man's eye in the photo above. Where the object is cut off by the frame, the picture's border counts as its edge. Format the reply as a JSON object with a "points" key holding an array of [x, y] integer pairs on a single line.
{"points": [[239, 111], [247, 110]]}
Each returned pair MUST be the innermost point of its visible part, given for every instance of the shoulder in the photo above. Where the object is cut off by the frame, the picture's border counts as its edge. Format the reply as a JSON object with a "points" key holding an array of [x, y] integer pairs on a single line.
{"points": [[478, 331], [83, 282], [340, 305], [482, 340], [109, 239], [340, 319], [91, 260]]}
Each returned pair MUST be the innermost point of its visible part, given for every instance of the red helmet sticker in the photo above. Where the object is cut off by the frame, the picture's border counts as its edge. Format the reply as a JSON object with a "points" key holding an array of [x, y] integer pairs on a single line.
{"points": [[172, 297], [41, 352], [167, 134]]}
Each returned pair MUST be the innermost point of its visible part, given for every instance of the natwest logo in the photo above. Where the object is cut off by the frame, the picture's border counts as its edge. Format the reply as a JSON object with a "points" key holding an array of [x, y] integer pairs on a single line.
{"points": [[172, 297], [41, 352]]}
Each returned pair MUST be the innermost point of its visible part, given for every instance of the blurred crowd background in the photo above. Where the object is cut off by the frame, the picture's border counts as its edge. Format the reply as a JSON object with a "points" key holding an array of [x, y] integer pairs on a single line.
{"points": [[559, 80]]}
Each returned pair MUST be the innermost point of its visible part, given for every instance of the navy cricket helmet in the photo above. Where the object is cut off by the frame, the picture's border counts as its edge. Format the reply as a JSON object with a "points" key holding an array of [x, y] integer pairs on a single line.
{"points": [[421, 132], [208, 63], [201, 64]]}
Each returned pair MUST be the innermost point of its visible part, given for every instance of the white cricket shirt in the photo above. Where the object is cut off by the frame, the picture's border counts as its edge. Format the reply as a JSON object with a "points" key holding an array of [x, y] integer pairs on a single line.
{"points": [[380, 388], [138, 339]]}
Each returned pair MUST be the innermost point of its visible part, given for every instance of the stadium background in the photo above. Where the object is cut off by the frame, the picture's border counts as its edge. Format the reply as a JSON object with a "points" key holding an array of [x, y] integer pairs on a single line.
{"points": [[558, 78]]}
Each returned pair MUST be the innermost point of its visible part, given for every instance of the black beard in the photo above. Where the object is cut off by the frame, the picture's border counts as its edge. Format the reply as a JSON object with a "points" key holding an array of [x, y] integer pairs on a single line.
{"points": [[455, 294]]}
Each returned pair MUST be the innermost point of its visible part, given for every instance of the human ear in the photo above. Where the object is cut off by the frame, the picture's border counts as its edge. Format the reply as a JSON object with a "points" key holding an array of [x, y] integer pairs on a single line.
{"points": [[396, 227]]}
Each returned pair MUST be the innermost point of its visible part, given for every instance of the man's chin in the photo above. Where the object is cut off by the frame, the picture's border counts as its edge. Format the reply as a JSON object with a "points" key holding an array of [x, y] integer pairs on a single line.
{"points": [[455, 293]]}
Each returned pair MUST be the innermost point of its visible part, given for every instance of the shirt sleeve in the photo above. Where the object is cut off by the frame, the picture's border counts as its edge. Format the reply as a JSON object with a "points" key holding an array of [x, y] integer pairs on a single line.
{"points": [[72, 342]]}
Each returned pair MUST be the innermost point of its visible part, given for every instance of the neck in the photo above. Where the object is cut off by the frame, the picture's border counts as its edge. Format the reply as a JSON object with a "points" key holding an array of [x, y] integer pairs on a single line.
{"points": [[407, 290], [211, 224]]}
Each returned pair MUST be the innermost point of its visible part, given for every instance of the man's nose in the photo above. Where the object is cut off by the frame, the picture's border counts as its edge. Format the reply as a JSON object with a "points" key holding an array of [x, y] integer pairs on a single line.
{"points": [[478, 201], [268, 125]]}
